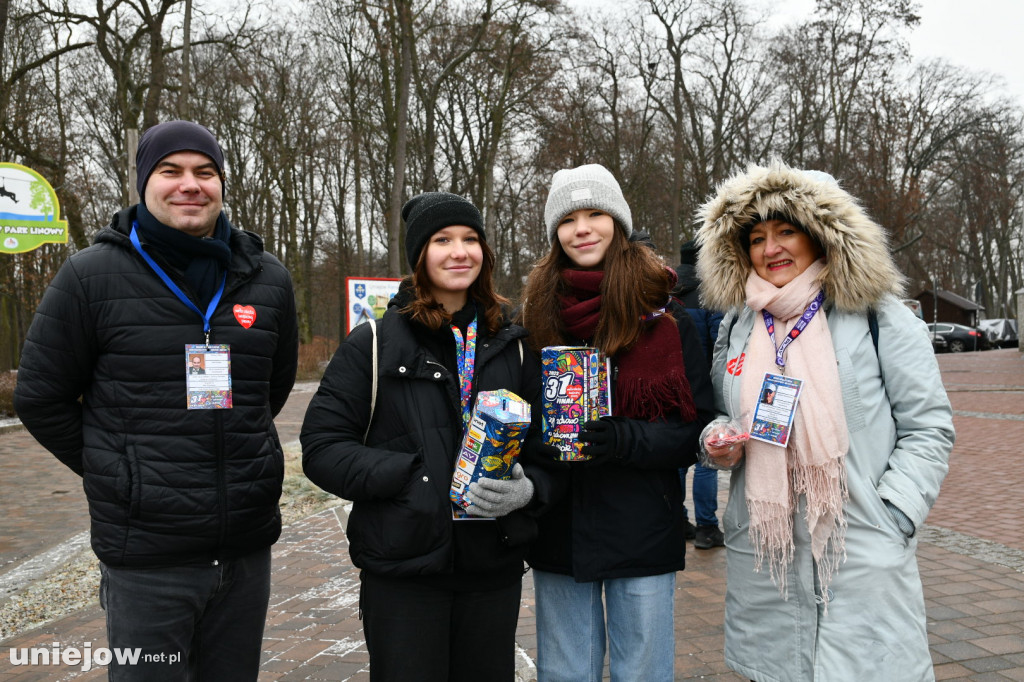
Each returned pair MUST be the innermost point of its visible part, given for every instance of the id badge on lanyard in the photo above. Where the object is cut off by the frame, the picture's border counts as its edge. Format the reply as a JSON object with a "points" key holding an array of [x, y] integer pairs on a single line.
{"points": [[208, 376], [207, 368], [776, 406], [776, 409]]}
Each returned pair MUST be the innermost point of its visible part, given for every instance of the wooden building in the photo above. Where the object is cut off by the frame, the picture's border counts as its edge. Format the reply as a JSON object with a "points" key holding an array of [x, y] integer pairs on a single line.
{"points": [[951, 308]]}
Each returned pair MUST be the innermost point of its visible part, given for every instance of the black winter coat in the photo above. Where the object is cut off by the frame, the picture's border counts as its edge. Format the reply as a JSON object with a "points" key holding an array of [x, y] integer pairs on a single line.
{"points": [[401, 521], [624, 518], [166, 485]]}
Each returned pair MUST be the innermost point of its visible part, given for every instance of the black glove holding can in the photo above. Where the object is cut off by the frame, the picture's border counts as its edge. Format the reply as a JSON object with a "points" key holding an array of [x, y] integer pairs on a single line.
{"points": [[602, 441]]}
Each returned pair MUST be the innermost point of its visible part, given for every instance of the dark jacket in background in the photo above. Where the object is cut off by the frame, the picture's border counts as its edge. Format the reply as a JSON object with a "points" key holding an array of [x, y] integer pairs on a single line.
{"points": [[401, 522], [707, 321], [166, 485], [624, 519]]}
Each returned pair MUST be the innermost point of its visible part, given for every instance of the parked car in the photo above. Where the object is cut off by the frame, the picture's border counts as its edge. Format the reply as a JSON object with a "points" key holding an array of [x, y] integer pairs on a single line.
{"points": [[959, 337], [1000, 331], [939, 343]]}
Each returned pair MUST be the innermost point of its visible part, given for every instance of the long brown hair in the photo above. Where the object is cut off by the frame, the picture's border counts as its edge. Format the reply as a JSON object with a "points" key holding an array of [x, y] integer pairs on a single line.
{"points": [[426, 310], [636, 283]]}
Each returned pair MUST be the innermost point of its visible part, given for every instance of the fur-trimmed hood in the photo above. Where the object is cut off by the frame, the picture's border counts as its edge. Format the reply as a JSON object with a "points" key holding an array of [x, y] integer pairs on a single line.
{"points": [[859, 269]]}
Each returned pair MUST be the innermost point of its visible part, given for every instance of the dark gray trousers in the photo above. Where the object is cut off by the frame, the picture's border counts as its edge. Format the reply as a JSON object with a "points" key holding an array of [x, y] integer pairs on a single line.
{"points": [[197, 623]]}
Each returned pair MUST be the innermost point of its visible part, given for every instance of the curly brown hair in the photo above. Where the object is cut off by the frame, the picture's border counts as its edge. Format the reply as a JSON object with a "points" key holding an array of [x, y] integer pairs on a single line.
{"points": [[636, 283], [426, 309]]}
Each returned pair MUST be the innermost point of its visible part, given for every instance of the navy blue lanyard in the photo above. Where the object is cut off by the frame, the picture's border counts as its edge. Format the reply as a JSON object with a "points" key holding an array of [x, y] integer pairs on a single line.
{"points": [[177, 291], [797, 329]]}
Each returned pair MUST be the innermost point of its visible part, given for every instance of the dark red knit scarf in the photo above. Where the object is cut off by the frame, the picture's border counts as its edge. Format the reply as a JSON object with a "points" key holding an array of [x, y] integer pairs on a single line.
{"points": [[651, 380]]}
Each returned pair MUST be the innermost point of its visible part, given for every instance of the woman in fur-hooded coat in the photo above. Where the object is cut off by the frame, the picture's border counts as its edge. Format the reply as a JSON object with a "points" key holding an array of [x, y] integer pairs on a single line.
{"points": [[822, 576]]}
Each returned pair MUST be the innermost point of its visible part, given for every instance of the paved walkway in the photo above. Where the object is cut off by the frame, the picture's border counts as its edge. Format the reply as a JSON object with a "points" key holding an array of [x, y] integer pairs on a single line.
{"points": [[971, 556]]}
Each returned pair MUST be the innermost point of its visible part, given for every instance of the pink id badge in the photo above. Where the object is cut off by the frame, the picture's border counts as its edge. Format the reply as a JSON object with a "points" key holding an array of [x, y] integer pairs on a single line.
{"points": [[208, 376], [776, 409]]}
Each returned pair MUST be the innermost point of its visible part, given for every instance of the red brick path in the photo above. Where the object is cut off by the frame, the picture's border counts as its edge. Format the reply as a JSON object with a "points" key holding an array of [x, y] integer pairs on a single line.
{"points": [[975, 600]]}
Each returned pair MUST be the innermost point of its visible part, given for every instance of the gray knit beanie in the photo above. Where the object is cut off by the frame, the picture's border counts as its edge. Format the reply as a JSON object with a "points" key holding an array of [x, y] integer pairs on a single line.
{"points": [[589, 186], [429, 212]]}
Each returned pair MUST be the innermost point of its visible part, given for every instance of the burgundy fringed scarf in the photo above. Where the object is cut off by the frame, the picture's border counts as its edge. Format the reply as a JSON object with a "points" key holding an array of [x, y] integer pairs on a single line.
{"points": [[651, 380]]}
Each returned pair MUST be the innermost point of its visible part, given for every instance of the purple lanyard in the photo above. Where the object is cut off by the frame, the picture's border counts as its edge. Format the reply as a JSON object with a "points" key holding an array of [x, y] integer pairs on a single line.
{"points": [[465, 356], [797, 329]]}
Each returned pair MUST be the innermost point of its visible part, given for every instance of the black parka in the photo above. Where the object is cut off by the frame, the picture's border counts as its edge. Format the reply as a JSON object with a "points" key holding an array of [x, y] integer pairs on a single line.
{"points": [[401, 522], [623, 518], [102, 385]]}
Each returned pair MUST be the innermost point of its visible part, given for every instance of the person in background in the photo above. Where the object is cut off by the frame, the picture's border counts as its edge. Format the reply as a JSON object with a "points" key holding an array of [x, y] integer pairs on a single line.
{"points": [[182, 481], [822, 517], [706, 534], [605, 561], [439, 596]]}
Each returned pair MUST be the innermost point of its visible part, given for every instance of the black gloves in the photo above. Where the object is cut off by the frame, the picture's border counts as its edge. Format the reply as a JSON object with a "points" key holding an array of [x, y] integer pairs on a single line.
{"points": [[602, 441]]}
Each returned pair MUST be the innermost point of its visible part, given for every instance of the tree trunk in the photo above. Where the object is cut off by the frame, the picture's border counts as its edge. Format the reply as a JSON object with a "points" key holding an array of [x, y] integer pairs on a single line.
{"points": [[4, 6], [404, 11], [186, 64]]}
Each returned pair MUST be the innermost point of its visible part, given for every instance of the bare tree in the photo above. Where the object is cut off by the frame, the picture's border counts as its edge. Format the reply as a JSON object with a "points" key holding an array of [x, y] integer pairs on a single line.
{"points": [[680, 23], [391, 25], [846, 47], [441, 63]]}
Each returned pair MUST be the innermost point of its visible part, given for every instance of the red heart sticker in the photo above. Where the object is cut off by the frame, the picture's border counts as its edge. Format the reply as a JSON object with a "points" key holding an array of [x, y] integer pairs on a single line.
{"points": [[735, 366], [245, 314], [574, 392]]}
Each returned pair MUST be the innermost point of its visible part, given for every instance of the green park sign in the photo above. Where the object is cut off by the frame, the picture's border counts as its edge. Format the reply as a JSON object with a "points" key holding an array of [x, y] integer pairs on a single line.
{"points": [[29, 211]]}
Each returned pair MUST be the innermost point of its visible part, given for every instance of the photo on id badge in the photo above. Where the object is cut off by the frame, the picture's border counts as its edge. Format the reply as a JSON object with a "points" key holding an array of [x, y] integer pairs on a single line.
{"points": [[208, 376], [776, 409]]}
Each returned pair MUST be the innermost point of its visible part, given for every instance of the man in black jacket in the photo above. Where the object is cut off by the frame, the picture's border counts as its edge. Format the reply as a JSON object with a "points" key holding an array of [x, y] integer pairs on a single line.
{"points": [[182, 469]]}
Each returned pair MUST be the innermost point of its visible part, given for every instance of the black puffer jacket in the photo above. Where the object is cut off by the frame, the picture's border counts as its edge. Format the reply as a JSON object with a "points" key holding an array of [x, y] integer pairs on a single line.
{"points": [[401, 522], [166, 485], [624, 518]]}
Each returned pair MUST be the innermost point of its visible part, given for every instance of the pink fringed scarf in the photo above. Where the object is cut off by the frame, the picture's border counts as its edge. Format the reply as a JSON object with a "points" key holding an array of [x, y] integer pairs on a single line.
{"points": [[814, 463], [651, 380]]}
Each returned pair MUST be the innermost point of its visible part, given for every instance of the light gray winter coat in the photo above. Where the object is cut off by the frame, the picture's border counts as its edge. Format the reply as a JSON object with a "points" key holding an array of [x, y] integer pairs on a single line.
{"points": [[900, 434]]}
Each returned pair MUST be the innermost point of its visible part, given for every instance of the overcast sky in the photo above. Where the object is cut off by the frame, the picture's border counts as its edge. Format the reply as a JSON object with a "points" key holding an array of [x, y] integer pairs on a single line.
{"points": [[983, 35]]}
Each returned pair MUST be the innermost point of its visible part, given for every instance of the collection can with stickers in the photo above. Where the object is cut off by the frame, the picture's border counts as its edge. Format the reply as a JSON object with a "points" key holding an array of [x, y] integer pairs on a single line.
{"points": [[492, 442], [576, 390]]}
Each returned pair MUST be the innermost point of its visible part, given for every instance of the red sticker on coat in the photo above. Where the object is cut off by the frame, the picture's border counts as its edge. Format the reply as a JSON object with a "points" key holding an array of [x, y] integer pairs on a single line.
{"points": [[735, 366], [245, 314]]}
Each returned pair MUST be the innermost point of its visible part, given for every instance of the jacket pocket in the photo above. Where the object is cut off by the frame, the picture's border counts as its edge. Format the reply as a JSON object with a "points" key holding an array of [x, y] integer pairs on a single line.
{"points": [[410, 525], [129, 481], [736, 518], [852, 405], [275, 453], [881, 517]]}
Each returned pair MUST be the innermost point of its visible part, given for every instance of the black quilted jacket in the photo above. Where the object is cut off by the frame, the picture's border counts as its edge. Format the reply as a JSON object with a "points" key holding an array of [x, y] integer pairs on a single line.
{"points": [[401, 522], [102, 386]]}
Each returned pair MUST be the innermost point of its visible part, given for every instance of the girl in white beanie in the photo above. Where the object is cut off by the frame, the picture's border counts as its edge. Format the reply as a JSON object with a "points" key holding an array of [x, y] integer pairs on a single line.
{"points": [[615, 539]]}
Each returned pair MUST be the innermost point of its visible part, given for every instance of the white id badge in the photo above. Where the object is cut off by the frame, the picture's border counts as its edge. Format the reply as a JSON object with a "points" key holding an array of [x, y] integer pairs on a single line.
{"points": [[208, 376], [776, 409]]}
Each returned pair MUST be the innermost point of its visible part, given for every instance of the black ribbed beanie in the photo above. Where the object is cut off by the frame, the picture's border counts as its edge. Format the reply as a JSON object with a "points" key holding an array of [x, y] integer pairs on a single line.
{"points": [[169, 137], [429, 212]]}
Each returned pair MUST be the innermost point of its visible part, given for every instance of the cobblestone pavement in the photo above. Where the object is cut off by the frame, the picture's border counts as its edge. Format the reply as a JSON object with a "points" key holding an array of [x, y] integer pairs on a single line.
{"points": [[971, 556]]}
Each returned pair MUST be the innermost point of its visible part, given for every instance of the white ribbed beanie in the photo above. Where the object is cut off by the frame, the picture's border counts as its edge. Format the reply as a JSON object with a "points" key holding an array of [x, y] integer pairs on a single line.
{"points": [[589, 186]]}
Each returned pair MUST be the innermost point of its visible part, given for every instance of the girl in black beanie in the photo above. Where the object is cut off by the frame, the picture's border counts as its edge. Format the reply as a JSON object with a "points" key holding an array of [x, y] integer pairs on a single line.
{"points": [[439, 595]]}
